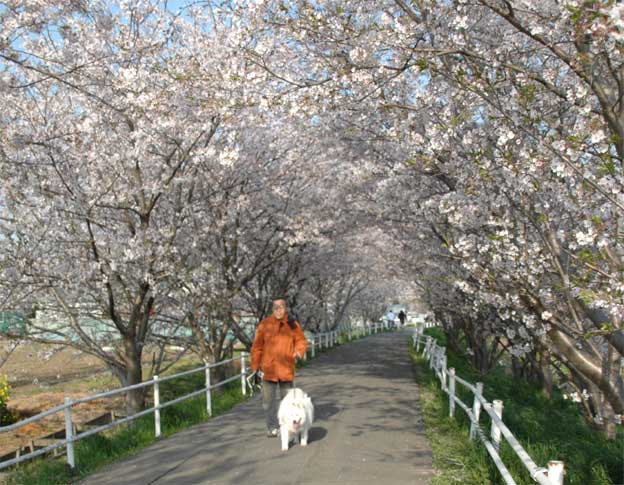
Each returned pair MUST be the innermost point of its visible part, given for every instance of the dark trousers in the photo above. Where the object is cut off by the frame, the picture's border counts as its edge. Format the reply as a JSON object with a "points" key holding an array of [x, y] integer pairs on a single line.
{"points": [[272, 394]]}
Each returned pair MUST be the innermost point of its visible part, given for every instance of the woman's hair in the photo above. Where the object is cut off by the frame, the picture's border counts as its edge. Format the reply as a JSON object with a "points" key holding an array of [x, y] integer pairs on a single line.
{"points": [[280, 297]]}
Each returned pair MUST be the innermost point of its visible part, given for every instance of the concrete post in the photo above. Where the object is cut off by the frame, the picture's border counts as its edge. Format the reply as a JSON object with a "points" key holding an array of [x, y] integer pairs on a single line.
{"points": [[156, 407], [208, 392], [476, 410], [69, 434], [452, 392], [496, 432], [243, 374], [556, 471]]}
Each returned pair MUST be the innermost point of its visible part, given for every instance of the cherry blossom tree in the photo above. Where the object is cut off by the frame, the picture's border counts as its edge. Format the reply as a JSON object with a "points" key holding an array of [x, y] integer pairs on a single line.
{"points": [[108, 121]]}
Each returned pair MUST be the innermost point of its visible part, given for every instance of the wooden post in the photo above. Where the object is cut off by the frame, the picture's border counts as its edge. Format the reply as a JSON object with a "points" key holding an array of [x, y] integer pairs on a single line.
{"points": [[496, 432], [476, 410], [156, 407], [69, 434], [452, 392]]}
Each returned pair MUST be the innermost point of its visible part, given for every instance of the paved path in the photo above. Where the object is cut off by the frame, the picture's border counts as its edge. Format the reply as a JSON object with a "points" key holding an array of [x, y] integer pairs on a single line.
{"points": [[368, 430]]}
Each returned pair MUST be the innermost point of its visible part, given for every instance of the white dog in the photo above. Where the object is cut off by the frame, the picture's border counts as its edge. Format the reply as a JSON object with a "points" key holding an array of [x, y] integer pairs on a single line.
{"points": [[295, 416]]}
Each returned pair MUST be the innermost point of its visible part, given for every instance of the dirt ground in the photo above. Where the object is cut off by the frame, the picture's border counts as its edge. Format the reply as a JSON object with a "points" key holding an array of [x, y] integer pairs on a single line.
{"points": [[41, 376]]}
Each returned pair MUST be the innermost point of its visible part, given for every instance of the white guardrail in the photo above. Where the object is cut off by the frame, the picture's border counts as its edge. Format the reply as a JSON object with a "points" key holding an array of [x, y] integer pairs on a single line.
{"points": [[318, 342], [436, 356]]}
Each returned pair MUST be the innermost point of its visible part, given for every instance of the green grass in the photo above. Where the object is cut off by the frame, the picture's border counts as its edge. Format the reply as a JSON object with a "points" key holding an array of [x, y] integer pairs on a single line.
{"points": [[548, 429], [102, 449], [455, 458]]}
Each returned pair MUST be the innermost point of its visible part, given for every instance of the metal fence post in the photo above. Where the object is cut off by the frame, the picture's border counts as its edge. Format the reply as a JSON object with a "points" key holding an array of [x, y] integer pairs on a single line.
{"points": [[208, 392], [156, 407], [496, 432], [452, 392], [556, 471], [69, 434], [476, 410], [243, 374]]}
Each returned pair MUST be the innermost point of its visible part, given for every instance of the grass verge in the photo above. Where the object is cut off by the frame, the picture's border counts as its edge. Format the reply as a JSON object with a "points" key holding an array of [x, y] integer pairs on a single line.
{"points": [[105, 448], [455, 458], [548, 429]]}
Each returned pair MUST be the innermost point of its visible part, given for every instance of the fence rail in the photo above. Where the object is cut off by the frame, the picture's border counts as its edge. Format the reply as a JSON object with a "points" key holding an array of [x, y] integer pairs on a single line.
{"points": [[318, 342], [436, 357]]}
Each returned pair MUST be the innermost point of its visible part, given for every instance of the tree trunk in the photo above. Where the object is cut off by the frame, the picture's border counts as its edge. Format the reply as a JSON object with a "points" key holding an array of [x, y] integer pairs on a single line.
{"points": [[135, 399], [589, 367], [546, 375]]}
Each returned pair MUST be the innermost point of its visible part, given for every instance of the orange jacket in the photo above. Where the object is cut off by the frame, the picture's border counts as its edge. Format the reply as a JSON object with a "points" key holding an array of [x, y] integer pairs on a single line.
{"points": [[274, 347]]}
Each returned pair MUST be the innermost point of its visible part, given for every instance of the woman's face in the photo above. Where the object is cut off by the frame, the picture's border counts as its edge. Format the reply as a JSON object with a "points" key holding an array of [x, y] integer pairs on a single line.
{"points": [[279, 309]]}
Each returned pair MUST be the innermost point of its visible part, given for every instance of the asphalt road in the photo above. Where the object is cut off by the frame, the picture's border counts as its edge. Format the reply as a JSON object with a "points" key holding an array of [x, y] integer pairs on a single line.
{"points": [[367, 430]]}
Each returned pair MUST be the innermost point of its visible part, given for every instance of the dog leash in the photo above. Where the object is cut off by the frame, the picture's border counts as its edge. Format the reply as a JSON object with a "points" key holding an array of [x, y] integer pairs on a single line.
{"points": [[254, 382]]}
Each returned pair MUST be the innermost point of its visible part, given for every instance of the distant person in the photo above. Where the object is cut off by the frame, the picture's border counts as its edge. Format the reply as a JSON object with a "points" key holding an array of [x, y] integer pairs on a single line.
{"points": [[402, 317], [390, 316]]}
